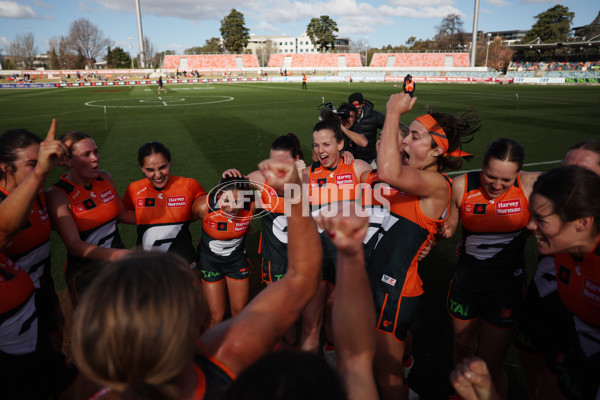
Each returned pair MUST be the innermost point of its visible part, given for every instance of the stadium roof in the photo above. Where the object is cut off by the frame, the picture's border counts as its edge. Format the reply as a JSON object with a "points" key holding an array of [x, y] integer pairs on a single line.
{"points": [[545, 46]]}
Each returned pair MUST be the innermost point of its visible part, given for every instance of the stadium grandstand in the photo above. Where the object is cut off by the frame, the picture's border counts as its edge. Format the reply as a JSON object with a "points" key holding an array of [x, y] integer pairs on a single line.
{"points": [[211, 62], [452, 59], [316, 60]]}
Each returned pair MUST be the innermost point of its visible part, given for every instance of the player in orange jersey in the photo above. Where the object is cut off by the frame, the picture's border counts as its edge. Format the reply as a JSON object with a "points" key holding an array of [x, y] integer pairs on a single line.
{"points": [[565, 219], [84, 208], [226, 214], [331, 181], [412, 166], [488, 287], [163, 205], [29, 367]]}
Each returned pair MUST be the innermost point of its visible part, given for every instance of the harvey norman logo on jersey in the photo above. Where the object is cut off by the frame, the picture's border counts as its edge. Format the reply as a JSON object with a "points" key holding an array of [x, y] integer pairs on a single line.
{"points": [[508, 207], [176, 201]]}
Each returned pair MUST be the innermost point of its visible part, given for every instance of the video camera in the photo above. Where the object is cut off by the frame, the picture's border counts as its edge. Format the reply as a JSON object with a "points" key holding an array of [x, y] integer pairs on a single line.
{"points": [[328, 111]]}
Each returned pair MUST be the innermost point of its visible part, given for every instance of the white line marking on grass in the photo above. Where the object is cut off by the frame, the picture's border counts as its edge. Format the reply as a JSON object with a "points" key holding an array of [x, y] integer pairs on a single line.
{"points": [[525, 165], [159, 102]]}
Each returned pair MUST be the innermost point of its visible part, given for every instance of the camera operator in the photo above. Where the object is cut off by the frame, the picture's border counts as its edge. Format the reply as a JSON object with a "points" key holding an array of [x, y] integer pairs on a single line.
{"points": [[368, 121], [345, 115]]}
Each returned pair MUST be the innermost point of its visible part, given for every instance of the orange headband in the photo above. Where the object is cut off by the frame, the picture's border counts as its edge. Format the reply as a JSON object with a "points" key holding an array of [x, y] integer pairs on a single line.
{"points": [[439, 136]]}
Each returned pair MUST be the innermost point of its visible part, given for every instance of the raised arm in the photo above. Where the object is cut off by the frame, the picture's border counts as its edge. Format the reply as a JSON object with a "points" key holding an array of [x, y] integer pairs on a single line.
{"points": [[242, 340], [15, 209], [353, 308], [429, 185]]}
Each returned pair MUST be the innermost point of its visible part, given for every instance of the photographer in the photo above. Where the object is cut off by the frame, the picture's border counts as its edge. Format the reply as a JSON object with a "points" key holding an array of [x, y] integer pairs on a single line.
{"points": [[345, 115], [368, 121]]}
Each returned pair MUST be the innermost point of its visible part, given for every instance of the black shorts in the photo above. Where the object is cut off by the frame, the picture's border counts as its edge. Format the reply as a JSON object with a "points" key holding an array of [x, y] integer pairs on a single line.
{"points": [[545, 327], [394, 313], [213, 272], [272, 272], [498, 307]]}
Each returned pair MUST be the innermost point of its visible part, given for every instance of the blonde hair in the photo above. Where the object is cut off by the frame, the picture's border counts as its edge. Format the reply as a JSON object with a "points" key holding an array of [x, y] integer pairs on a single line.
{"points": [[137, 323]]}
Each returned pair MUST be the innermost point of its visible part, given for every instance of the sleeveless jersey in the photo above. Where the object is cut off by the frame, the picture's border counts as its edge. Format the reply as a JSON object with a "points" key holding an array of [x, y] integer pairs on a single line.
{"points": [[579, 284], [213, 379], [403, 234], [30, 247], [273, 233], [494, 235], [18, 314], [163, 216], [223, 236], [95, 212], [328, 187]]}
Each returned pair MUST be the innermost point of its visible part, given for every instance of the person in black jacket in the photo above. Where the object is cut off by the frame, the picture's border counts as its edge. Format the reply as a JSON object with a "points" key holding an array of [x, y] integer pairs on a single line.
{"points": [[368, 122]]}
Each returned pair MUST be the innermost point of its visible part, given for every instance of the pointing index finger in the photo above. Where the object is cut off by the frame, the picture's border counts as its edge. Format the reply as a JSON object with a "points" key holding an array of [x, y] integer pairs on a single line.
{"points": [[51, 131]]}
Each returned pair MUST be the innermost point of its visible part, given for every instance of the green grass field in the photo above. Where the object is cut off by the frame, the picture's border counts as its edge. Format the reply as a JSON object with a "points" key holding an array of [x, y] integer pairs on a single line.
{"points": [[209, 128]]}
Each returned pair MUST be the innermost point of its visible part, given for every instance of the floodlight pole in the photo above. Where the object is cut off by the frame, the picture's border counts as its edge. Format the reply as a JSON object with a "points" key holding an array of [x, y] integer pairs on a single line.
{"points": [[366, 51], [474, 40], [140, 34], [487, 50]]}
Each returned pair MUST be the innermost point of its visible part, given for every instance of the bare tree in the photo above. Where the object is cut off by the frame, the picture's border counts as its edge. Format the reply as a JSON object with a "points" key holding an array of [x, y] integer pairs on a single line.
{"points": [[66, 57], [149, 51], [87, 39], [23, 50], [449, 34]]}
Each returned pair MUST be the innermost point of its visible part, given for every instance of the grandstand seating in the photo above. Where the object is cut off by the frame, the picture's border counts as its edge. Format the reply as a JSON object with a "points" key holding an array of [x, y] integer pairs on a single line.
{"points": [[211, 62], [315, 60], [362, 74], [420, 60]]}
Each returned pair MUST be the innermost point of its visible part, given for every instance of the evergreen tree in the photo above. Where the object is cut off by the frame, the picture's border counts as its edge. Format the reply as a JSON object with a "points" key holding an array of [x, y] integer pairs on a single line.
{"points": [[553, 25], [109, 59], [235, 34], [321, 32]]}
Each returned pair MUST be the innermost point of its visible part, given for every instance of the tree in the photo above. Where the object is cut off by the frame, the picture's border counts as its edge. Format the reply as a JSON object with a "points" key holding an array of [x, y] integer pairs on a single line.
{"points": [[23, 50], [553, 25], [449, 34], [54, 63], [109, 59], [120, 58], [321, 32], [149, 53], [87, 39], [591, 30], [212, 45], [235, 34]]}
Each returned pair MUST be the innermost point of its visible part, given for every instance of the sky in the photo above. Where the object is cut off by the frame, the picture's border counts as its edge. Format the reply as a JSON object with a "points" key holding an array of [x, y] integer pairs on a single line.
{"points": [[181, 24]]}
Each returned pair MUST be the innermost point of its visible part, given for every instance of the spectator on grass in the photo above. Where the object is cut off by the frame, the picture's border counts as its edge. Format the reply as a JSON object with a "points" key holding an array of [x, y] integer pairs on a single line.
{"points": [[368, 122], [173, 356]]}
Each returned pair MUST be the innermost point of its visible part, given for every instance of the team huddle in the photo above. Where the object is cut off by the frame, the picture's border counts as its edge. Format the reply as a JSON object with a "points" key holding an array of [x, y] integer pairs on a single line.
{"points": [[150, 323]]}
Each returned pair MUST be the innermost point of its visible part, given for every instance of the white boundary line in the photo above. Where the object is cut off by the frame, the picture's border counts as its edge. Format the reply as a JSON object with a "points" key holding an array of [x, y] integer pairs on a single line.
{"points": [[525, 165], [223, 99]]}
